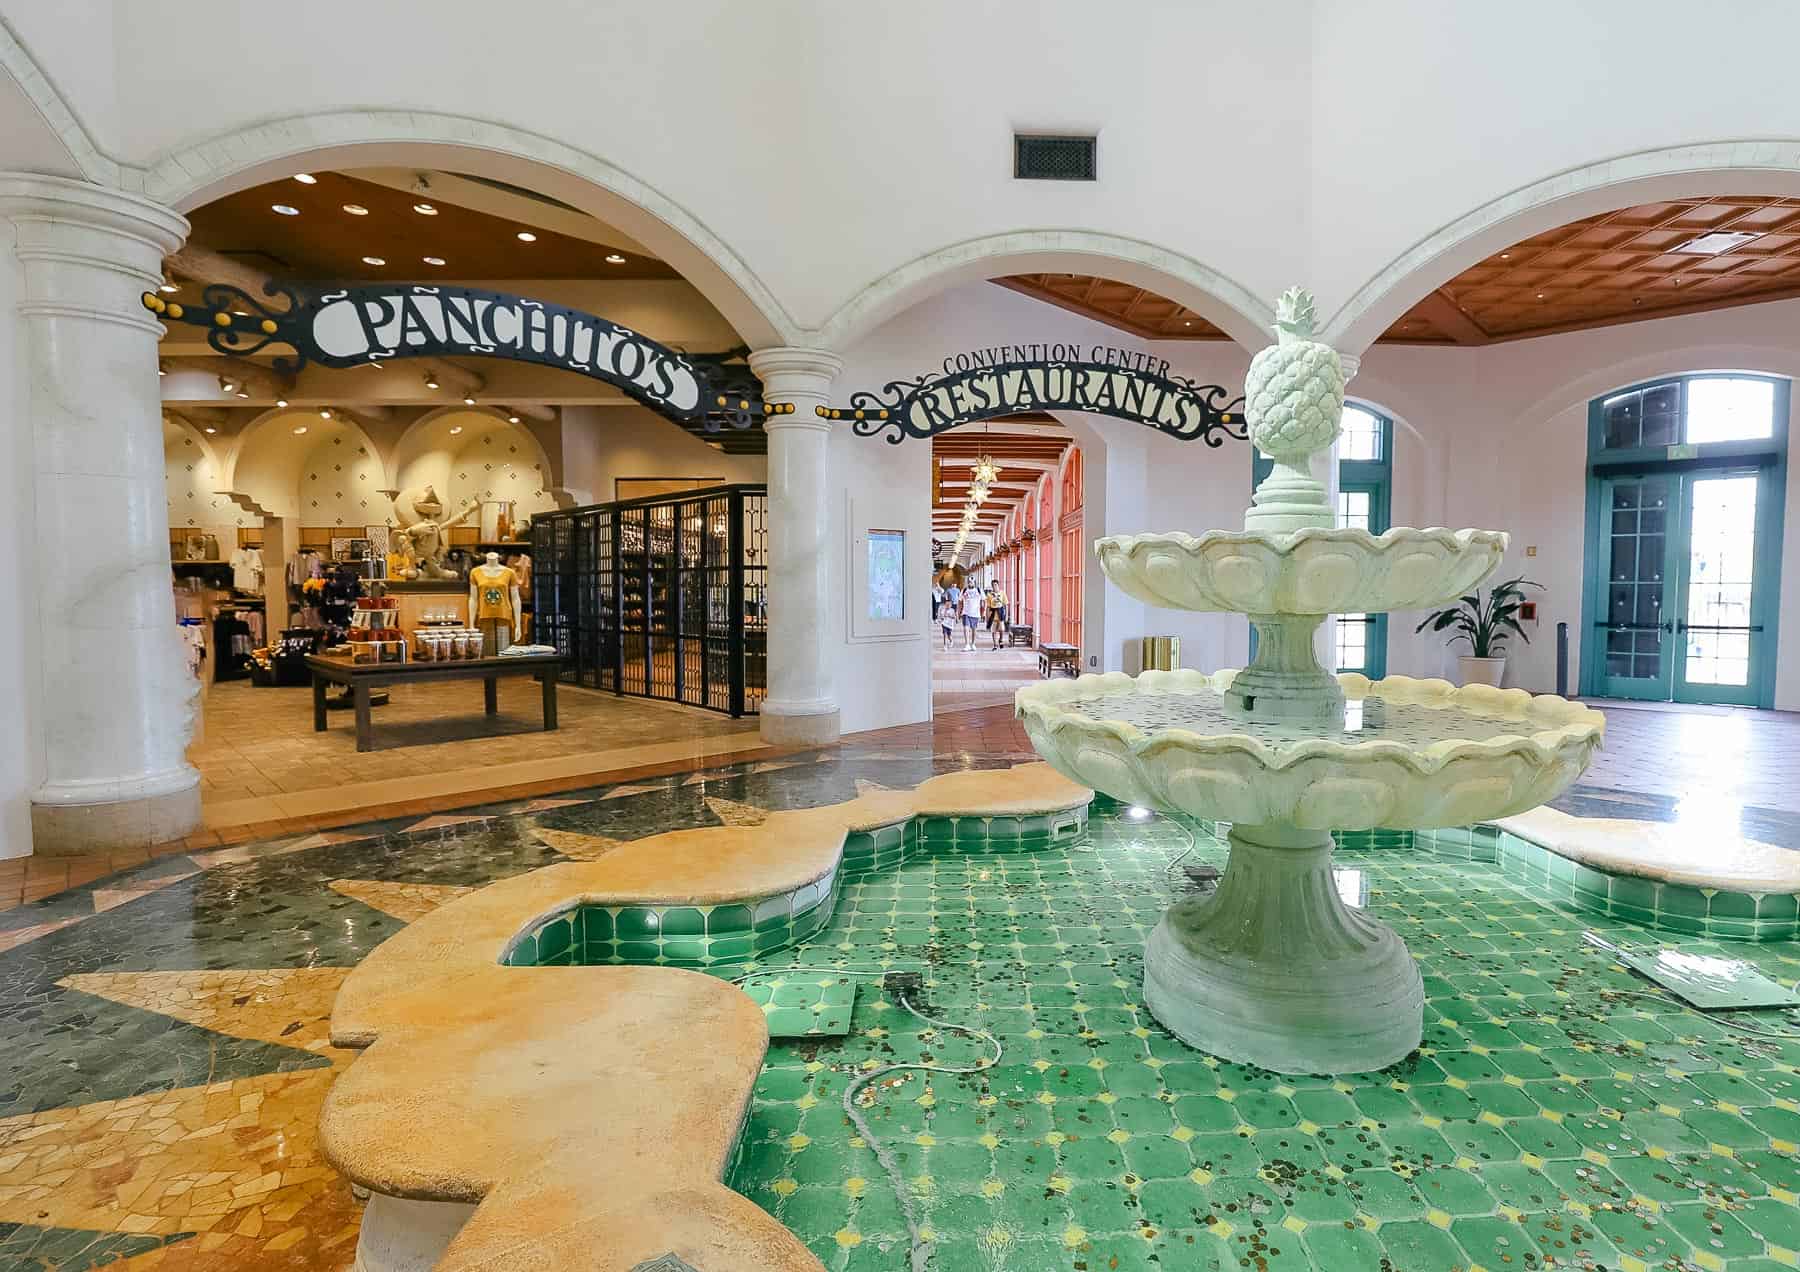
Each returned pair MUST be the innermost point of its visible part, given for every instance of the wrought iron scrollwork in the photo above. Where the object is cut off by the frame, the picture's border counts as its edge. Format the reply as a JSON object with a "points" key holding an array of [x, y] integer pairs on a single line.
{"points": [[260, 325]]}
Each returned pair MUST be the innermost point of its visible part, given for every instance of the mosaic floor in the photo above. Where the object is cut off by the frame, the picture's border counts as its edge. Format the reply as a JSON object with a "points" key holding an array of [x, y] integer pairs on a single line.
{"points": [[163, 1052]]}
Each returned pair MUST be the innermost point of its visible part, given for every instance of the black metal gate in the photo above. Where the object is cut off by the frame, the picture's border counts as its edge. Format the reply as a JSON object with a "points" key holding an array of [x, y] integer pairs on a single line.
{"points": [[661, 597]]}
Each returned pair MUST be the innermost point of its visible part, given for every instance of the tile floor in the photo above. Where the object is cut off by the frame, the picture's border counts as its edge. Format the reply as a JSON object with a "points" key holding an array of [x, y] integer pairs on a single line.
{"points": [[163, 1054], [261, 741], [962, 680]]}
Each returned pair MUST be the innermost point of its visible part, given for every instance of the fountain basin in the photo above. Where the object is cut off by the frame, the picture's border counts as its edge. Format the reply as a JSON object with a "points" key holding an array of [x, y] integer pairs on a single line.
{"points": [[1312, 571], [1411, 754]]}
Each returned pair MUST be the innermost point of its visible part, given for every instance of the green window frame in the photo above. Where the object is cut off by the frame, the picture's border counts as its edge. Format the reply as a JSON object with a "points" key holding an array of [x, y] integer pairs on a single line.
{"points": [[1655, 443], [1373, 477]]}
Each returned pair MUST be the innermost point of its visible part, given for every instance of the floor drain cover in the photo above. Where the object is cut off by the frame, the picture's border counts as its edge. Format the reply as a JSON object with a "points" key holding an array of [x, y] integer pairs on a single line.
{"points": [[1709, 982], [805, 1005]]}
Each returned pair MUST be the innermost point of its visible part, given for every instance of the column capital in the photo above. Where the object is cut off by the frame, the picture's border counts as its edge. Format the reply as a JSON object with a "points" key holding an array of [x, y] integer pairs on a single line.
{"points": [[801, 377], [60, 202], [808, 368], [1352, 363]]}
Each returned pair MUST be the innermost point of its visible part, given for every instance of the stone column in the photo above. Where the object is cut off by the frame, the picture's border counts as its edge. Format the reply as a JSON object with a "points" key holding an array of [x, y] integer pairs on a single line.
{"points": [[806, 583], [116, 705]]}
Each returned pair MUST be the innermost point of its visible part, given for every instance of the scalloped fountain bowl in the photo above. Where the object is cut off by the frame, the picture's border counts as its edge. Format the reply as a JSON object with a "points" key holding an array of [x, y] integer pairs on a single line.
{"points": [[1411, 754], [1301, 572]]}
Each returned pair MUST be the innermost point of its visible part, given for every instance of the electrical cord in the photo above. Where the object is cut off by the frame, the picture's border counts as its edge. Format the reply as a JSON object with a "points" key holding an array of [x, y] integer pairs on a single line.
{"points": [[921, 1248]]}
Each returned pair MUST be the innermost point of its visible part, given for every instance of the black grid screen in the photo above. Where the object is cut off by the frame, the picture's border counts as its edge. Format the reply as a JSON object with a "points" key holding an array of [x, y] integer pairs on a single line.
{"points": [[1054, 158], [661, 597]]}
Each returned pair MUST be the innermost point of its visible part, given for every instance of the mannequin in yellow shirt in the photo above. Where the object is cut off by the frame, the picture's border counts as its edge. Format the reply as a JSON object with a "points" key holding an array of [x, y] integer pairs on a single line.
{"points": [[494, 604]]}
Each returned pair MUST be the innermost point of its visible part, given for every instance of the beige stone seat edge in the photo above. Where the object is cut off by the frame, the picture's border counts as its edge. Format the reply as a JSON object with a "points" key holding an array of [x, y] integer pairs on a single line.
{"points": [[475, 930], [1648, 850]]}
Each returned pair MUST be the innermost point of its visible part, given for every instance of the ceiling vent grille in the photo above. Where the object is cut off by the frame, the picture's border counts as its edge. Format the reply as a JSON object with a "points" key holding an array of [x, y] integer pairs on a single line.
{"points": [[1041, 158]]}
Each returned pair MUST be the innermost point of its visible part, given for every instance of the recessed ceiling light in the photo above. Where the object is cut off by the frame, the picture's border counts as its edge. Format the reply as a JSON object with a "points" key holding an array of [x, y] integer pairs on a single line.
{"points": [[1540, 295], [299, 430], [455, 430], [324, 412], [431, 381], [1714, 243], [356, 209], [433, 260], [468, 401], [512, 419], [306, 178], [162, 370], [374, 260], [1506, 256], [284, 209], [424, 209], [170, 287], [526, 236], [613, 258], [280, 401], [211, 429], [242, 394]]}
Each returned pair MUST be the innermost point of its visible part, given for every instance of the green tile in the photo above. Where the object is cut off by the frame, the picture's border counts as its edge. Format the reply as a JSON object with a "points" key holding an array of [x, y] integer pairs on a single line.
{"points": [[682, 921], [596, 923], [728, 920], [1679, 899], [636, 922]]}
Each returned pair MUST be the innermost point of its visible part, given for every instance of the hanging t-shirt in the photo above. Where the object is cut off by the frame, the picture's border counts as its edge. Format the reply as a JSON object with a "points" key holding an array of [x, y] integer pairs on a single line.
{"points": [[246, 569]]}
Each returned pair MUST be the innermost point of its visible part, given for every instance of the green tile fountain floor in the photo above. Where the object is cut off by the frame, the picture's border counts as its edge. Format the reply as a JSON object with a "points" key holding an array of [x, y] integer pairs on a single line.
{"points": [[1549, 1121]]}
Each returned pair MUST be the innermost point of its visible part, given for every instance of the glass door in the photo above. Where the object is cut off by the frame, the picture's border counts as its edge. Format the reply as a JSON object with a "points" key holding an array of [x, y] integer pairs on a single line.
{"points": [[1720, 641], [1637, 630], [1683, 612]]}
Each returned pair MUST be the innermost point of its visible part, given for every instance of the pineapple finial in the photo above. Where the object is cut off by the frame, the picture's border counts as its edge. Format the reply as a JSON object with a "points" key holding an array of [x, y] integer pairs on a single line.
{"points": [[1294, 315]]}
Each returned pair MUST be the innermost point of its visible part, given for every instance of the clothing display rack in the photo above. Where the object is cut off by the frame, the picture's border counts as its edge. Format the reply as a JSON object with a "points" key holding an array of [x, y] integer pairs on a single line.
{"points": [[659, 597]]}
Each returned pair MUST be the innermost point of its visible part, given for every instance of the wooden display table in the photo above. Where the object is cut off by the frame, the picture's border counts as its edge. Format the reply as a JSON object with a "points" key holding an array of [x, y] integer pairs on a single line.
{"points": [[1052, 656], [1020, 634], [360, 678]]}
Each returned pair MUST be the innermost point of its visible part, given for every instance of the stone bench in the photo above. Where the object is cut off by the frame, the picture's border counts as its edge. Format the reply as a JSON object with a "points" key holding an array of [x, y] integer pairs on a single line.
{"points": [[518, 1109], [1660, 874]]}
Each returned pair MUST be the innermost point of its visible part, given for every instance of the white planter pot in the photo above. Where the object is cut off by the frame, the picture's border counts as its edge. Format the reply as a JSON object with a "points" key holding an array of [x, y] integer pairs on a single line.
{"points": [[1482, 671]]}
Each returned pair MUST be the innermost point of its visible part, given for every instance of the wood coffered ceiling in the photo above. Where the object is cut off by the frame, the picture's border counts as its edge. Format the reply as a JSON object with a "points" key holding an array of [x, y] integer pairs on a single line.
{"points": [[324, 242], [1617, 267], [1022, 457], [1135, 309]]}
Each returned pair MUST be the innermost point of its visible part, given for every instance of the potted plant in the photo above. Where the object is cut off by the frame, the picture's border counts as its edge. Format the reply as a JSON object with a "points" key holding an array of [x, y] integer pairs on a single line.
{"points": [[1486, 626]]}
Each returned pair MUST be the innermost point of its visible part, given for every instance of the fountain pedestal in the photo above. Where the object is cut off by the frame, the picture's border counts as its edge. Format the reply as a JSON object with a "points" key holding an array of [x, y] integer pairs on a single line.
{"points": [[1274, 969]]}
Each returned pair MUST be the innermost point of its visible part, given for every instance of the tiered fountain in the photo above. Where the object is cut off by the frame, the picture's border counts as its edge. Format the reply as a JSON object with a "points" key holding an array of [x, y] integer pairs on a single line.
{"points": [[1273, 968]]}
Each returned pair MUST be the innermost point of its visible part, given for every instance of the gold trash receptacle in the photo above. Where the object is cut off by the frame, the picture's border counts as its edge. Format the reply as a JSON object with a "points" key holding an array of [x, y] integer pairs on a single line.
{"points": [[1161, 653]]}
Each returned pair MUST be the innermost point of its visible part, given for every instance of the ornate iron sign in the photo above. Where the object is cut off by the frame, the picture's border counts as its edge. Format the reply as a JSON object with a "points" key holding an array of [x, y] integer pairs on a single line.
{"points": [[357, 325], [985, 384]]}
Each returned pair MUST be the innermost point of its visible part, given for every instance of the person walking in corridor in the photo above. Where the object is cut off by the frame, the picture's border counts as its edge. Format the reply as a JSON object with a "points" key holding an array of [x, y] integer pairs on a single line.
{"points": [[972, 600]]}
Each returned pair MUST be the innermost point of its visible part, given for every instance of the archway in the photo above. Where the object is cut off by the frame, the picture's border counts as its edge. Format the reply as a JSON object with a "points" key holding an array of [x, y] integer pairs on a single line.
{"points": [[1209, 292], [194, 175], [1728, 167]]}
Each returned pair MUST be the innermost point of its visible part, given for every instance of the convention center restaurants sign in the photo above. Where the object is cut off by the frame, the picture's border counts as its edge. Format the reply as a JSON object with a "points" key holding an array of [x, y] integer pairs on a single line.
{"points": [[1001, 380], [359, 325]]}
